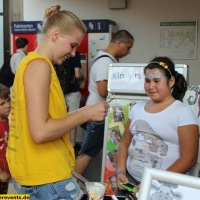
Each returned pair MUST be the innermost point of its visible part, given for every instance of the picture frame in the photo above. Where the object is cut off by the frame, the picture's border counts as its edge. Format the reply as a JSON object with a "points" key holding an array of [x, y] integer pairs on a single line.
{"points": [[179, 185], [113, 182], [118, 113], [113, 157], [115, 135]]}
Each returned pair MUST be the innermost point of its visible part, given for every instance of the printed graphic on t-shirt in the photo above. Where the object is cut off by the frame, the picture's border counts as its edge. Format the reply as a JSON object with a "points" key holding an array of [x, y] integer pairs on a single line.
{"points": [[147, 147]]}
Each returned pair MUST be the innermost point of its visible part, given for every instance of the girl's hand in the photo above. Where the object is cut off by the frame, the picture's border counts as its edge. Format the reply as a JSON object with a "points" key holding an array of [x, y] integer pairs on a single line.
{"points": [[97, 112], [4, 176], [135, 193], [121, 178]]}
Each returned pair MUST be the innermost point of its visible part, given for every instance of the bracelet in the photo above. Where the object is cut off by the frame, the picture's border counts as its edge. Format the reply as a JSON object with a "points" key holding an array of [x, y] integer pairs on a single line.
{"points": [[119, 172]]}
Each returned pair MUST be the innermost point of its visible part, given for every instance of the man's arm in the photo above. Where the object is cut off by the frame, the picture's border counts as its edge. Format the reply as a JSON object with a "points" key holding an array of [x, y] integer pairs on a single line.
{"points": [[102, 88], [80, 78], [77, 66], [78, 74], [102, 66]]}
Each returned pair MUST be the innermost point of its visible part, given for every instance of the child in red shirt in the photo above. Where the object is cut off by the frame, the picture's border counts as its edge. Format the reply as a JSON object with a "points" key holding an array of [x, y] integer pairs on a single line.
{"points": [[5, 106]]}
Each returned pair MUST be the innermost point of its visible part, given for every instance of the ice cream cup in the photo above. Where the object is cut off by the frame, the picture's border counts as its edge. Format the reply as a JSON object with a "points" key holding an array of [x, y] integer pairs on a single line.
{"points": [[95, 190]]}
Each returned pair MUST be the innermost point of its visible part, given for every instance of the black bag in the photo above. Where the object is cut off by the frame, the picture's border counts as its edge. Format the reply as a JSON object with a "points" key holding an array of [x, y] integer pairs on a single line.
{"points": [[84, 125], [64, 77], [6, 75]]}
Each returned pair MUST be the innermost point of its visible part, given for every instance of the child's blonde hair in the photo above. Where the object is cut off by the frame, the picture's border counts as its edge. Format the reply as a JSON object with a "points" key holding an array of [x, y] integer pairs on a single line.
{"points": [[66, 21]]}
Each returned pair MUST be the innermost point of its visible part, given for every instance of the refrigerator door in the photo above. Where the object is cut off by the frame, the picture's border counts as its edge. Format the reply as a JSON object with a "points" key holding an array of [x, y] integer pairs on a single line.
{"points": [[128, 78]]}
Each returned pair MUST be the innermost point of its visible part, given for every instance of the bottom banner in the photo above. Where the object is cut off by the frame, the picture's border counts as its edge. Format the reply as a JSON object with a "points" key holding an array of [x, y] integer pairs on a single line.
{"points": [[14, 196]]}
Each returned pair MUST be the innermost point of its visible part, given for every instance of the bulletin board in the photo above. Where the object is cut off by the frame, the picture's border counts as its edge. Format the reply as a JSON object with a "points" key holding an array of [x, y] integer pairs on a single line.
{"points": [[178, 40]]}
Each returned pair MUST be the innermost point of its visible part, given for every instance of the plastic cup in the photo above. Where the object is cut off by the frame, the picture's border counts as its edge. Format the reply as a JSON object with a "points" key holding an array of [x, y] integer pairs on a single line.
{"points": [[95, 190]]}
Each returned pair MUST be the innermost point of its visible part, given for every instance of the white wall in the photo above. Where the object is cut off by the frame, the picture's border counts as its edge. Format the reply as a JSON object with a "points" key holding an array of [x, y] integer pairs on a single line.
{"points": [[141, 18]]}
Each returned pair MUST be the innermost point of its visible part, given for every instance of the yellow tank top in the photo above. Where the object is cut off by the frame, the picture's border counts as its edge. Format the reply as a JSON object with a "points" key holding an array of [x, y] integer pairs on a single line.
{"points": [[31, 163]]}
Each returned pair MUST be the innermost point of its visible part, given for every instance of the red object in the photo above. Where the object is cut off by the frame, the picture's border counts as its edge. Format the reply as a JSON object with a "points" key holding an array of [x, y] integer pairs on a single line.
{"points": [[4, 129], [32, 40], [108, 173], [83, 49]]}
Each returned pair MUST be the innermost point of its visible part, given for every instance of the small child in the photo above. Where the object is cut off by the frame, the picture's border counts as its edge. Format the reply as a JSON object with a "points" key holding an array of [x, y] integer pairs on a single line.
{"points": [[5, 106]]}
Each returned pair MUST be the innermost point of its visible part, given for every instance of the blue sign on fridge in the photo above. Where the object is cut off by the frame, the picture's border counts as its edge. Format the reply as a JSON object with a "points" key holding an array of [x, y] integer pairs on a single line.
{"points": [[98, 25], [26, 26], [93, 26]]}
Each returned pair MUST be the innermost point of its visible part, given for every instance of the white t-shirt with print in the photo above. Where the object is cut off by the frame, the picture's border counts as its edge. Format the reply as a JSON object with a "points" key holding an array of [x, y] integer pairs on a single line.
{"points": [[155, 141]]}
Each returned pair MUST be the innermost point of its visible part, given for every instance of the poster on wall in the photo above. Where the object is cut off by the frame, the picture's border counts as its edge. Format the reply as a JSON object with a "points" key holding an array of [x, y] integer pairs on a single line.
{"points": [[178, 40]]}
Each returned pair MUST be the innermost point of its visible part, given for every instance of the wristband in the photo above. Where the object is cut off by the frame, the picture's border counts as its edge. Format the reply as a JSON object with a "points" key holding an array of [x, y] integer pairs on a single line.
{"points": [[120, 172]]}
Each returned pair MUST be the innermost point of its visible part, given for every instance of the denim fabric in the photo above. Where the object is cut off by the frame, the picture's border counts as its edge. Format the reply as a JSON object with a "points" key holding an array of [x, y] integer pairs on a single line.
{"points": [[93, 140], [62, 190]]}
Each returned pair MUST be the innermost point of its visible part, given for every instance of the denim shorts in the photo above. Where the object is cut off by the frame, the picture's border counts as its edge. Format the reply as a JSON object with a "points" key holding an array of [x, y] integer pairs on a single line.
{"points": [[93, 140], [62, 190]]}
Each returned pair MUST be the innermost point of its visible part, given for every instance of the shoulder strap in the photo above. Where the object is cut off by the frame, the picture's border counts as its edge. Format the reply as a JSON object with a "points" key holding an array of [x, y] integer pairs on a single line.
{"points": [[102, 57]]}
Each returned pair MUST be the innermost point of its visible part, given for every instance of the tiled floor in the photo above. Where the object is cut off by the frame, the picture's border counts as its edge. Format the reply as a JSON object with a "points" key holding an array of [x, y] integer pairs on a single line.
{"points": [[93, 172]]}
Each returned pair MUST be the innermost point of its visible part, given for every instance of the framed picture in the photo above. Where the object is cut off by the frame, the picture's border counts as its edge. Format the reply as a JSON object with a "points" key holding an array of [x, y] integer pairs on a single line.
{"points": [[113, 157], [115, 134], [118, 113], [113, 182], [159, 184]]}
